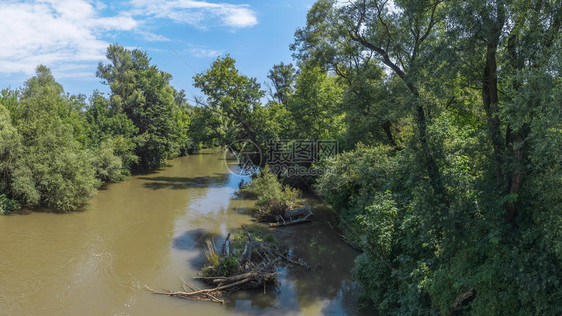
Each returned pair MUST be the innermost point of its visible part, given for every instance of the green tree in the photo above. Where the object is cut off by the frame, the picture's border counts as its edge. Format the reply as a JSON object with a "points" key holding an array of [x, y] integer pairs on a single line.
{"points": [[142, 92], [373, 107], [111, 135], [183, 120], [53, 169], [282, 77], [10, 151], [315, 105], [205, 128], [512, 49], [231, 96], [398, 37]]}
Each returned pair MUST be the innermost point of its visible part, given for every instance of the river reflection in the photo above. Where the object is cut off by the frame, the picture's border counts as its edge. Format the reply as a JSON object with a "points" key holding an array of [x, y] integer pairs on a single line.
{"points": [[150, 230]]}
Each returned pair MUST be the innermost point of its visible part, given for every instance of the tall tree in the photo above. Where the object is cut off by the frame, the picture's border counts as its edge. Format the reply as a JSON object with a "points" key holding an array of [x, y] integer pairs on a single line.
{"points": [[315, 105], [398, 35], [143, 93], [231, 95], [61, 172], [282, 77], [509, 40]]}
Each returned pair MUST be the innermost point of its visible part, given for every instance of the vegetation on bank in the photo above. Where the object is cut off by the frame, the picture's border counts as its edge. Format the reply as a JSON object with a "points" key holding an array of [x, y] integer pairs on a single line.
{"points": [[447, 116], [56, 149], [221, 263], [273, 198]]}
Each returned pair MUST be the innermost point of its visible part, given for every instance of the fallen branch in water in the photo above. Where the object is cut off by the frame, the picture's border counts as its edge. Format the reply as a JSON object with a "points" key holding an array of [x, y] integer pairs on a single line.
{"points": [[304, 219], [192, 295], [302, 264], [233, 283]]}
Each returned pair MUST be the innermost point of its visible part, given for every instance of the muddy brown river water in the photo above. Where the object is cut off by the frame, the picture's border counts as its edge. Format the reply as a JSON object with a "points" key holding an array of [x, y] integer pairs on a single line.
{"points": [[149, 230]]}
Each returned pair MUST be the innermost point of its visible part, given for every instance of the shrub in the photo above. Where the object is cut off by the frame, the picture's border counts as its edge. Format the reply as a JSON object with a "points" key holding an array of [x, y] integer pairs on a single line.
{"points": [[273, 198], [108, 166], [218, 265], [7, 205]]}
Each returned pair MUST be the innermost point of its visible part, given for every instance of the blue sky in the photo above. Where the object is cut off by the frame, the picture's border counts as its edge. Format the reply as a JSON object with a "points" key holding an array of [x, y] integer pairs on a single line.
{"points": [[70, 36]]}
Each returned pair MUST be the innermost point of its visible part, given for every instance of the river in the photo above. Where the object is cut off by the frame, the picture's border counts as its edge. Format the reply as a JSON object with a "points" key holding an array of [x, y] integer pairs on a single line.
{"points": [[149, 230]]}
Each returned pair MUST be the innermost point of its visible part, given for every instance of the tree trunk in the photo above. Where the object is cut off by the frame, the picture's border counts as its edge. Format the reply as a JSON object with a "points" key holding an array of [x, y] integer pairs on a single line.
{"points": [[429, 162], [386, 126], [490, 100], [298, 212]]}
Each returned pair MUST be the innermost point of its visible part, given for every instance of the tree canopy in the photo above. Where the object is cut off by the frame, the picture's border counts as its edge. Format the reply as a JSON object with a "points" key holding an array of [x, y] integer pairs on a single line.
{"points": [[448, 119]]}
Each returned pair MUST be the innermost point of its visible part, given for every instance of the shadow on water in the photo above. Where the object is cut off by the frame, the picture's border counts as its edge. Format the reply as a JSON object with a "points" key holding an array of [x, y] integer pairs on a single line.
{"points": [[195, 240], [183, 183], [331, 260], [315, 245], [204, 153], [148, 172], [256, 302], [28, 210]]}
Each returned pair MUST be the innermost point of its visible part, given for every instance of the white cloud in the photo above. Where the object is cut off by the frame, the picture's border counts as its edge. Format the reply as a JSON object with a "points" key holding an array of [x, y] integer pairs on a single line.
{"points": [[203, 52], [54, 33], [71, 36], [197, 13], [151, 36]]}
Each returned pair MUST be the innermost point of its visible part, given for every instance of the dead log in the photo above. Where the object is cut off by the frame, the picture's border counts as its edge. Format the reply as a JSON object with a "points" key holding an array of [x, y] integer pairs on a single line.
{"points": [[247, 254], [302, 264], [212, 297], [199, 295], [292, 222], [227, 283], [247, 233], [298, 212], [209, 278], [280, 219], [236, 277], [215, 289]]}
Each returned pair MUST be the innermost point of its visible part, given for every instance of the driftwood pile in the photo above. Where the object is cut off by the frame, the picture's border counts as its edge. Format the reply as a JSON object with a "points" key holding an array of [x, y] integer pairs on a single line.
{"points": [[256, 269]]}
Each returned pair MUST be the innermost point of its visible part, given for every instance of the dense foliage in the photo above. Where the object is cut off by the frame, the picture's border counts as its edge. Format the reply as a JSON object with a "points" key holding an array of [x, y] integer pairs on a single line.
{"points": [[448, 116], [142, 92], [56, 149], [453, 187], [272, 197]]}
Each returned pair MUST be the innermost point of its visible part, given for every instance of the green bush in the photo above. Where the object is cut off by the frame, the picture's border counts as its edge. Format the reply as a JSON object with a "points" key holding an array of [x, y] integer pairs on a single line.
{"points": [[272, 197], [7, 205], [228, 266], [270, 239], [108, 166], [221, 266]]}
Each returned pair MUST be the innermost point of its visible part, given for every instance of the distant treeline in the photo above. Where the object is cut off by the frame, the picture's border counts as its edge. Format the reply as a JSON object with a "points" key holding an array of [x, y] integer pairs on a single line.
{"points": [[56, 149], [448, 117]]}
